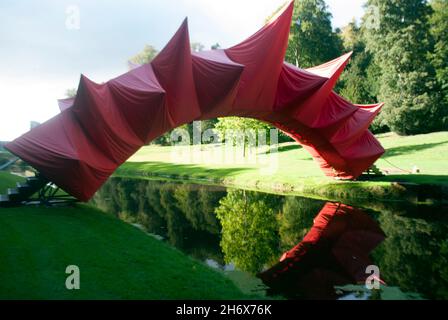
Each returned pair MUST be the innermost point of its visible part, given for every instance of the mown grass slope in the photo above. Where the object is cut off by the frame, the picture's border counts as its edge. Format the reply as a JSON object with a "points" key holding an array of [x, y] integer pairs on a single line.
{"points": [[116, 260]]}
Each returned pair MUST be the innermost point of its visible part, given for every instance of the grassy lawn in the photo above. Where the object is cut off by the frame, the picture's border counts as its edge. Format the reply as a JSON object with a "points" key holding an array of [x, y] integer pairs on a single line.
{"points": [[8, 181], [116, 260], [296, 171]]}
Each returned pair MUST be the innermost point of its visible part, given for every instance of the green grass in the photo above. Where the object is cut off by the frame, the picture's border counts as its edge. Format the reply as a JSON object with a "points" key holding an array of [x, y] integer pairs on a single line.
{"points": [[298, 174], [8, 181], [116, 260]]}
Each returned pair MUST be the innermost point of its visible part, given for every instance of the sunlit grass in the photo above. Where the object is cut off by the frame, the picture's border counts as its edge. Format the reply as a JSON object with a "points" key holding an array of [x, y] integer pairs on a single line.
{"points": [[296, 171]]}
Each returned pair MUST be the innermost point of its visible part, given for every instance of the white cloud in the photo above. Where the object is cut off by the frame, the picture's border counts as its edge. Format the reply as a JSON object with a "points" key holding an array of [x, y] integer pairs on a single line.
{"points": [[345, 10], [236, 20], [25, 99]]}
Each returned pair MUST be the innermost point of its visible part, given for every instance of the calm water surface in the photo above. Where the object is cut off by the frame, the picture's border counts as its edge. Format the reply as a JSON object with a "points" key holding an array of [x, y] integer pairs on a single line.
{"points": [[289, 246]]}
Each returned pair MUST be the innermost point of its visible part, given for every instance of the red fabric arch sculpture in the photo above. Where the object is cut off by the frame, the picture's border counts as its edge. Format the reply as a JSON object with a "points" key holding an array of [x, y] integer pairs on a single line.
{"points": [[107, 123]]}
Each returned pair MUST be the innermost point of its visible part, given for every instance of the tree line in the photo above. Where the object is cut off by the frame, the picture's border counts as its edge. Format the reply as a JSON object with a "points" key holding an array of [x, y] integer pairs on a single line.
{"points": [[400, 57]]}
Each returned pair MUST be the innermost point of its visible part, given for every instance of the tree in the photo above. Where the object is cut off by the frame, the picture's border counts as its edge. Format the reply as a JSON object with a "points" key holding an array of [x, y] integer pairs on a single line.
{"points": [[351, 37], [359, 82], [71, 93], [240, 124], [145, 56], [197, 47], [408, 86], [312, 39], [439, 27], [245, 126], [353, 82]]}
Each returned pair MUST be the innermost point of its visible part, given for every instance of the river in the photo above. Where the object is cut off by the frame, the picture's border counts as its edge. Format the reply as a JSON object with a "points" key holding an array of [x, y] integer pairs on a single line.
{"points": [[289, 246]]}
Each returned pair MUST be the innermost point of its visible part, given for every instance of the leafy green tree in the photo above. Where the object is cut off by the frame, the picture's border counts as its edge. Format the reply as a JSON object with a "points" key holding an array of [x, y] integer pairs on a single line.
{"points": [[145, 56], [238, 124], [248, 127], [359, 83], [408, 86], [197, 47], [354, 83], [439, 27], [71, 93], [312, 39], [351, 37]]}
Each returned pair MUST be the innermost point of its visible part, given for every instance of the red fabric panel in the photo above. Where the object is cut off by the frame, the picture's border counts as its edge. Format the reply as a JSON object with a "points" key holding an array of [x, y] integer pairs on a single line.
{"points": [[64, 104], [101, 119], [334, 110], [262, 56], [217, 79], [295, 86], [356, 125], [144, 98], [62, 152], [309, 112], [173, 68]]}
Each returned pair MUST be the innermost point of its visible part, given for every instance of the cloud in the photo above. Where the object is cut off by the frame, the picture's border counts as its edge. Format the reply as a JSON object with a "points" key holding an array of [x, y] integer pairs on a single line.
{"points": [[233, 20], [345, 10]]}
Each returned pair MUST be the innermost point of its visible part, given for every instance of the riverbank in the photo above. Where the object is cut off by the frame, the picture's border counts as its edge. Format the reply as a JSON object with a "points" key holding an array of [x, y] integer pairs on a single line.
{"points": [[116, 260], [296, 173]]}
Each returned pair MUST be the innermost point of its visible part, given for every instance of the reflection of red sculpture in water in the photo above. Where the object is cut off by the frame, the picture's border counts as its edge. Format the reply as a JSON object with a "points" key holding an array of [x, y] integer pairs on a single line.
{"points": [[107, 123], [334, 252]]}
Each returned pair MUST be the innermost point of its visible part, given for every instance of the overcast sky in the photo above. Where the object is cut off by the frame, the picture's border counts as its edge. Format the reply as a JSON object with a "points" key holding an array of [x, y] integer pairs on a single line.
{"points": [[43, 53]]}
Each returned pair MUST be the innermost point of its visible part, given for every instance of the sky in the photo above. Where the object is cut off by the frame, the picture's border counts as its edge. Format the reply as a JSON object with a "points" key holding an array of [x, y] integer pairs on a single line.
{"points": [[45, 45]]}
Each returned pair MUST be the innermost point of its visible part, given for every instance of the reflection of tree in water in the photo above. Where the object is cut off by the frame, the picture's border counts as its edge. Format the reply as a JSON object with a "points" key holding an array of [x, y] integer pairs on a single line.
{"points": [[258, 227], [184, 214], [414, 256], [296, 220], [249, 228], [198, 205]]}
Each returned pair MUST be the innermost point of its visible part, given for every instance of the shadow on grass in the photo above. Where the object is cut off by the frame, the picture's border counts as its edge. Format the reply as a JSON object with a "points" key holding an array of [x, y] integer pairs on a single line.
{"points": [[410, 149], [289, 147], [179, 170], [414, 178]]}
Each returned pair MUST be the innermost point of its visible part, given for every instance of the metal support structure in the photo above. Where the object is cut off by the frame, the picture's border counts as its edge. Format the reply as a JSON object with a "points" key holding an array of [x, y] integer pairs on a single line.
{"points": [[48, 195]]}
